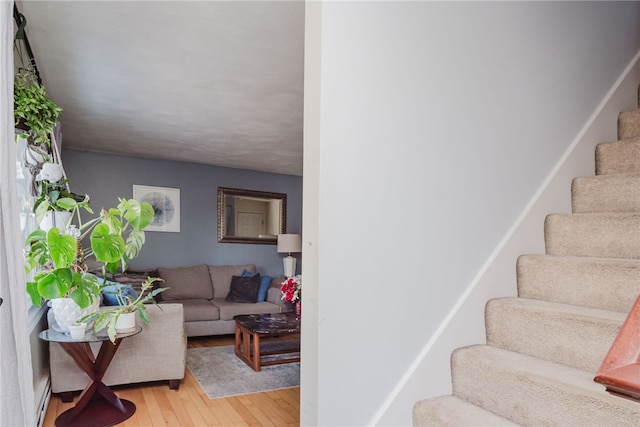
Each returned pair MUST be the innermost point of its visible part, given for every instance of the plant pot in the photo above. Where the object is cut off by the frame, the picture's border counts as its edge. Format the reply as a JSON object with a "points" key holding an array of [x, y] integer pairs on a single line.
{"points": [[126, 323], [52, 219], [50, 171], [77, 330], [66, 312], [32, 156]]}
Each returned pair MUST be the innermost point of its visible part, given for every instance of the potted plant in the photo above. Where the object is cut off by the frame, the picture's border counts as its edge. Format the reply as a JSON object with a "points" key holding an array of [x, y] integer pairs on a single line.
{"points": [[34, 111], [57, 257], [121, 318], [55, 204]]}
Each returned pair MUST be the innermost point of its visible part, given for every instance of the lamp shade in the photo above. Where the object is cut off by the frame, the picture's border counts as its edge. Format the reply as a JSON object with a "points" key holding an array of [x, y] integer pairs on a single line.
{"points": [[288, 243]]}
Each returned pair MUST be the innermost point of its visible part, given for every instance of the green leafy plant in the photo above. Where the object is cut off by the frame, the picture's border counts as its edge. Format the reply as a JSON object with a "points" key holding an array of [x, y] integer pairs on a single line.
{"points": [[34, 108], [116, 236], [54, 196], [126, 304]]}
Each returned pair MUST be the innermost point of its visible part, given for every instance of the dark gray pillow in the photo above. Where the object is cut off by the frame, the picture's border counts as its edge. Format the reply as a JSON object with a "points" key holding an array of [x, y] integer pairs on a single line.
{"points": [[244, 289]]}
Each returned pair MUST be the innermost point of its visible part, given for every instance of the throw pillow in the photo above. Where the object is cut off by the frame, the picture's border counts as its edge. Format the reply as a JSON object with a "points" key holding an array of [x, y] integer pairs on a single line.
{"points": [[221, 277], [247, 273], [136, 278], [244, 289], [131, 278], [110, 292], [186, 283], [265, 283]]}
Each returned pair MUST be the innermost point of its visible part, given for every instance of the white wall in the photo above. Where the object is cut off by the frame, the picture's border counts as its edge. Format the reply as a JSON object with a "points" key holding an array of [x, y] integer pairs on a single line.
{"points": [[459, 113]]}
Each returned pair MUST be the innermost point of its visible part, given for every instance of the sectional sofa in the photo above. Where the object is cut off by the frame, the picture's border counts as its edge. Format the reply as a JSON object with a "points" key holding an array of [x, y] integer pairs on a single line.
{"points": [[203, 290], [196, 304], [210, 295]]}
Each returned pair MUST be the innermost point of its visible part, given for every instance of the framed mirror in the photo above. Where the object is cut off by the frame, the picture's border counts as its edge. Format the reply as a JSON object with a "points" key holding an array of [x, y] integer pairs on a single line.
{"points": [[246, 216]]}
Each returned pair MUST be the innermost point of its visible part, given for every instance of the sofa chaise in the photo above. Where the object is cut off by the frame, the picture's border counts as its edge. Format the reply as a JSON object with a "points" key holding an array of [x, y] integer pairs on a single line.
{"points": [[158, 353]]}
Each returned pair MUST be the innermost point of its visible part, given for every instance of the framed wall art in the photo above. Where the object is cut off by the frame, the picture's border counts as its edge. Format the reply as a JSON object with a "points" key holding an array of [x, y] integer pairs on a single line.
{"points": [[166, 206]]}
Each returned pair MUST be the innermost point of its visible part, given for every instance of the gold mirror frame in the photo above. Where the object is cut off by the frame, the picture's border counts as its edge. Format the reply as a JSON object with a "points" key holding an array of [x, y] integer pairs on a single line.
{"points": [[227, 215]]}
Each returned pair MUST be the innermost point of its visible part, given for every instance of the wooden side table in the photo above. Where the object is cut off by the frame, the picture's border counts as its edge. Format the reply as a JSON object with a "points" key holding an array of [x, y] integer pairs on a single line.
{"points": [[98, 405]]}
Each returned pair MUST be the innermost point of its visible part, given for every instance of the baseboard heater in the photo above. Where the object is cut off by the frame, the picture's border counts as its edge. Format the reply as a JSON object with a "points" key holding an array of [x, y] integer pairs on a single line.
{"points": [[42, 398]]}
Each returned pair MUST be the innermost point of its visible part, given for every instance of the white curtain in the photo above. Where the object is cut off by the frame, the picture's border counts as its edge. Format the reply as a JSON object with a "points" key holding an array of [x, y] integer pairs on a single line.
{"points": [[17, 406]]}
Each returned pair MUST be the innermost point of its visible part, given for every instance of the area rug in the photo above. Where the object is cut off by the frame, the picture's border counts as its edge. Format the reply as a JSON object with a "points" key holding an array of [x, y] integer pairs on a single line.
{"points": [[221, 373]]}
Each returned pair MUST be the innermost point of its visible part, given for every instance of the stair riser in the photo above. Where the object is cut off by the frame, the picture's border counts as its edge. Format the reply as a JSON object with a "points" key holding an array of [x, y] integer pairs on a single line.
{"points": [[562, 337], [608, 193], [608, 236], [629, 124], [448, 411], [618, 157], [536, 397], [598, 283]]}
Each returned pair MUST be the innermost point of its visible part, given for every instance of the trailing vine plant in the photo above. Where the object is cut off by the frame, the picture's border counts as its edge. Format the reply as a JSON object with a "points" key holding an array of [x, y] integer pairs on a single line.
{"points": [[33, 109]]}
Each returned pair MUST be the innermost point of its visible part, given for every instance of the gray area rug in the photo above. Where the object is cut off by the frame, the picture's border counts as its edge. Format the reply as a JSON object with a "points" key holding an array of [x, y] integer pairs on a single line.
{"points": [[222, 374]]}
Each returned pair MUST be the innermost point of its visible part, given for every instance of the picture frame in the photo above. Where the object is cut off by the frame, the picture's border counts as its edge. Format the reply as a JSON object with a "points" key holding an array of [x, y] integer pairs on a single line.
{"points": [[166, 206]]}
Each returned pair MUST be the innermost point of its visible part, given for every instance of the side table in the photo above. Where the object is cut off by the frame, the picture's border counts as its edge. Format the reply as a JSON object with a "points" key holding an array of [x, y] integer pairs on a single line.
{"points": [[98, 406]]}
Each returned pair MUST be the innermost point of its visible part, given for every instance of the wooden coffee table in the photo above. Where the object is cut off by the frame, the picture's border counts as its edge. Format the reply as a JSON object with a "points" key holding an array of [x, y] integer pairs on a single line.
{"points": [[251, 327]]}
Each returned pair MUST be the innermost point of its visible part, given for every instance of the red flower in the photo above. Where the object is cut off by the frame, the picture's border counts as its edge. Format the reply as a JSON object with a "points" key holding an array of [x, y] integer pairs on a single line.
{"points": [[291, 289]]}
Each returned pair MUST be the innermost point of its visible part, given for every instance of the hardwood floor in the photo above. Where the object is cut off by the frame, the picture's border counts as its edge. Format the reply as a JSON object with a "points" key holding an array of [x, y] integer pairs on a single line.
{"points": [[156, 405]]}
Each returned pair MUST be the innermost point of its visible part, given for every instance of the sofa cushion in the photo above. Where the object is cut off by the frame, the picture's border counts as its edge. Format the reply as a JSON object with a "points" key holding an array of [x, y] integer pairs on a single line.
{"points": [[244, 289], [186, 283], [198, 310], [230, 309], [221, 277]]}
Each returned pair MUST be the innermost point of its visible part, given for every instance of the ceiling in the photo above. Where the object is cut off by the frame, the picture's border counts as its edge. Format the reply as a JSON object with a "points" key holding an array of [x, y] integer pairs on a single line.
{"points": [[213, 82]]}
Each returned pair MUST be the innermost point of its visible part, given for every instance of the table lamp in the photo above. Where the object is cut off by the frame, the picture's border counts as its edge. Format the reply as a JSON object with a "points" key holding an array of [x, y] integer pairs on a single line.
{"points": [[289, 243]]}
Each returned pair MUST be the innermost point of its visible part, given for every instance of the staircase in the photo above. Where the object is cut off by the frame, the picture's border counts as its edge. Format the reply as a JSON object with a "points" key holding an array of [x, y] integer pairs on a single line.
{"points": [[545, 346]]}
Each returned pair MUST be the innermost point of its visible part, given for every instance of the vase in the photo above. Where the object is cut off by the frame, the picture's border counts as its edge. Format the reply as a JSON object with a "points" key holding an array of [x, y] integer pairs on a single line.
{"points": [[298, 309], [66, 312], [58, 219], [126, 323]]}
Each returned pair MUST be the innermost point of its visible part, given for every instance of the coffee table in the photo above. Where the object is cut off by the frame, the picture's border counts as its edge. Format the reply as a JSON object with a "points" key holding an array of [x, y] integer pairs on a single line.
{"points": [[98, 405], [251, 327]]}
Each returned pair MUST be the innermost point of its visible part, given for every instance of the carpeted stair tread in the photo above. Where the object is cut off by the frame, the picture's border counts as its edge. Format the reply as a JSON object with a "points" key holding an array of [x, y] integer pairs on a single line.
{"points": [[618, 157], [449, 411], [604, 283], [582, 336], [629, 124], [545, 346], [533, 391], [606, 193], [609, 235]]}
